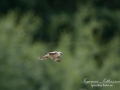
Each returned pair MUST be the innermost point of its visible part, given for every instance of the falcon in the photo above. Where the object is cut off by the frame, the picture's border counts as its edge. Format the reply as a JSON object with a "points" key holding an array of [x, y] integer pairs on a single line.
{"points": [[56, 56]]}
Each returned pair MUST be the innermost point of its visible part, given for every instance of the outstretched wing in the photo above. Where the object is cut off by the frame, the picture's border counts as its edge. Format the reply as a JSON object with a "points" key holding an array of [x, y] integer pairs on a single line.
{"points": [[52, 53]]}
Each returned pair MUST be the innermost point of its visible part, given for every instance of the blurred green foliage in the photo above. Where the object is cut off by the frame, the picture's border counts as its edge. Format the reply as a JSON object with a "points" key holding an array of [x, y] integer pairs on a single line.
{"points": [[87, 32]]}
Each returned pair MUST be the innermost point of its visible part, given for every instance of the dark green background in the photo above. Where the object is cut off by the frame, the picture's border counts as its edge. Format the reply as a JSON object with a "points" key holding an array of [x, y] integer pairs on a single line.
{"points": [[86, 31]]}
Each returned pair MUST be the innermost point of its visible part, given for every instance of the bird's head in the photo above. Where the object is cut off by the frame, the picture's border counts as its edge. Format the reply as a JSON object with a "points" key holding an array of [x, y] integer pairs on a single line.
{"points": [[60, 53]]}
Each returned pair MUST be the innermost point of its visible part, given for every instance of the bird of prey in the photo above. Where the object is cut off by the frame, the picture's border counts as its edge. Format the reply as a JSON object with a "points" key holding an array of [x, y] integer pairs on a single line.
{"points": [[56, 56]]}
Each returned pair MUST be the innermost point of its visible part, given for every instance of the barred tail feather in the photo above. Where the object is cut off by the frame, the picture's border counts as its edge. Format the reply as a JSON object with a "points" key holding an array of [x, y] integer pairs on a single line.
{"points": [[42, 58]]}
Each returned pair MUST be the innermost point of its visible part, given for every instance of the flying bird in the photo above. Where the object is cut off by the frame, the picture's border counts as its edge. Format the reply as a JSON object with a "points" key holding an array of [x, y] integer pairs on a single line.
{"points": [[56, 56]]}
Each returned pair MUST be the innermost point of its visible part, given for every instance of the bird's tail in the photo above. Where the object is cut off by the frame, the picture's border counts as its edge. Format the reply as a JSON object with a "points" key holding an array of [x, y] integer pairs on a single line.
{"points": [[42, 58]]}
